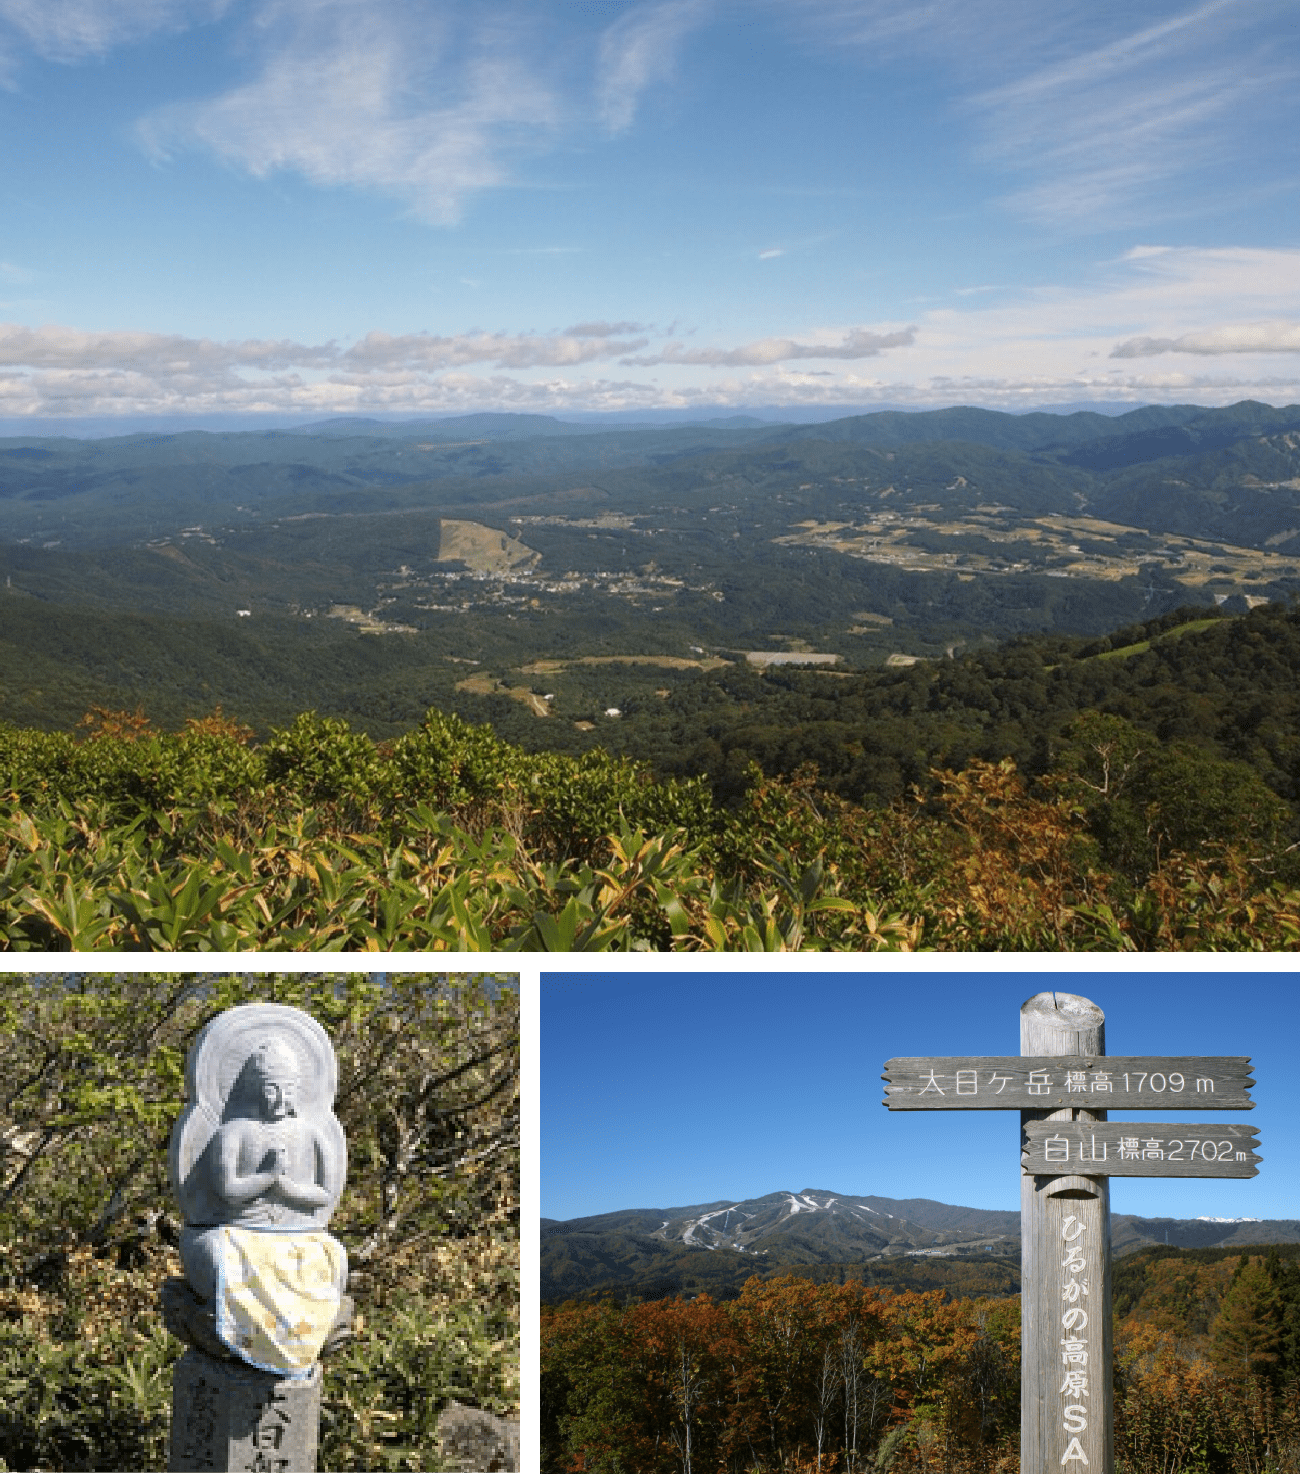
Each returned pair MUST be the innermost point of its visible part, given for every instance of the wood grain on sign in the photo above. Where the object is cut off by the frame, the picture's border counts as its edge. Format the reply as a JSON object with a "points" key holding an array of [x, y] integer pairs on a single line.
{"points": [[1140, 1149], [1066, 1402], [1089, 1081]]}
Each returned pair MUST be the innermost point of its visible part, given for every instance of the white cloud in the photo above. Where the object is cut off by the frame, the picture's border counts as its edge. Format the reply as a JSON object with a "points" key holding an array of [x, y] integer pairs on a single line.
{"points": [[857, 343], [343, 98], [60, 348], [603, 329], [639, 49], [772, 254], [62, 370], [1171, 290], [1250, 337], [170, 355], [1225, 311], [426, 352]]}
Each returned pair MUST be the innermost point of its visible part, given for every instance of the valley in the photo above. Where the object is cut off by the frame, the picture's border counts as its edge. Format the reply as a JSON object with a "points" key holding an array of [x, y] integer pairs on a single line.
{"points": [[541, 576]]}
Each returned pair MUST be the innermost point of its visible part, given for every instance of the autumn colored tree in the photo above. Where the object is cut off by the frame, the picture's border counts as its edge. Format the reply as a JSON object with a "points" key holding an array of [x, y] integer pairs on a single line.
{"points": [[687, 1358], [592, 1400], [1245, 1333], [783, 1323]]}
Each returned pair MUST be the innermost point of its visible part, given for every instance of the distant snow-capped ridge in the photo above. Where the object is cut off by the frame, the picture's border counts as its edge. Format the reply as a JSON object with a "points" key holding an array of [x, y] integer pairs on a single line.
{"points": [[1205, 1218], [816, 1225], [706, 1232]]}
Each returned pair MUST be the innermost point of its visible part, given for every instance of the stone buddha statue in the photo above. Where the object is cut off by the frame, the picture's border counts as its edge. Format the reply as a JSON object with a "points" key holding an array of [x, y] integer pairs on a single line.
{"points": [[270, 1161], [258, 1161]]}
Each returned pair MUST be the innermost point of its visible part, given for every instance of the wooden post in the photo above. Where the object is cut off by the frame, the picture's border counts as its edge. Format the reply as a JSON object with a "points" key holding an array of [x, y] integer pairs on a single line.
{"points": [[1067, 1416]]}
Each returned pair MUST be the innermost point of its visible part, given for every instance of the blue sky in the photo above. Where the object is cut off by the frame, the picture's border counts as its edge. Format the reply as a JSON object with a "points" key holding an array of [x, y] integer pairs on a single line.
{"points": [[307, 207], [668, 1089]]}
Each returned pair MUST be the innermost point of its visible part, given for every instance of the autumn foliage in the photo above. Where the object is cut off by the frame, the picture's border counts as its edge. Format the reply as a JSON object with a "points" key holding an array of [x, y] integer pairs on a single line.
{"points": [[791, 1376], [1206, 1368], [803, 1378], [448, 838]]}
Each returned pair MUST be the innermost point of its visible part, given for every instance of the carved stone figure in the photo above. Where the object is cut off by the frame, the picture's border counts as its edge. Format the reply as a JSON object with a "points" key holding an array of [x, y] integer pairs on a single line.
{"points": [[258, 1162], [260, 1076]]}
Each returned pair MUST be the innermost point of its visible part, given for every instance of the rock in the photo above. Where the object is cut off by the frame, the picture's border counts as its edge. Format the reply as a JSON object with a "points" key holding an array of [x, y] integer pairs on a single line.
{"points": [[226, 1415], [475, 1442]]}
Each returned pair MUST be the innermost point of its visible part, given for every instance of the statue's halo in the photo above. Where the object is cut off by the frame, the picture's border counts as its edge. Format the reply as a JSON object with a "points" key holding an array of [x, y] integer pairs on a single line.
{"points": [[216, 1060], [225, 1045]]}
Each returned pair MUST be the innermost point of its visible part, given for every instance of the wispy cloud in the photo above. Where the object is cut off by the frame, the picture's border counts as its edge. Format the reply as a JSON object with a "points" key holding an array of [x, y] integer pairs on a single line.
{"points": [[1088, 114], [1104, 117], [343, 96], [67, 30], [640, 49], [425, 100], [857, 343], [1107, 127], [9, 272]]}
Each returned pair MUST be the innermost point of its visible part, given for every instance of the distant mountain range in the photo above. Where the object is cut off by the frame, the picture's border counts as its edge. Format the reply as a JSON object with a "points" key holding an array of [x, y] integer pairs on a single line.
{"points": [[1167, 467], [540, 574], [716, 1246]]}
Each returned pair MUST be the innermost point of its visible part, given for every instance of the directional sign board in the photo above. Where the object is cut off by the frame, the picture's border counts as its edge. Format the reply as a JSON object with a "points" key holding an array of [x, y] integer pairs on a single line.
{"points": [[1140, 1149], [1070, 1150], [1049, 1082]]}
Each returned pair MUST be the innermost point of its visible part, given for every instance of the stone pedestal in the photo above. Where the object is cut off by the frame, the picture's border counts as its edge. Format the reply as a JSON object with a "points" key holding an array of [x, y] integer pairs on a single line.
{"points": [[228, 1415]]}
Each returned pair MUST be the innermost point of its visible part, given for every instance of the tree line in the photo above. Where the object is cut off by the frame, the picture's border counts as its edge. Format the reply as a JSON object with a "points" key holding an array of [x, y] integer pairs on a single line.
{"points": [[797, 1377], [449, 838]]}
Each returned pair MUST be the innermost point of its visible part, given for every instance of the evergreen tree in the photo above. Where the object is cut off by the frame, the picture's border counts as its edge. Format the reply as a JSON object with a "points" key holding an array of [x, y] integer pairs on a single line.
{"points": [[1245, 1334]]}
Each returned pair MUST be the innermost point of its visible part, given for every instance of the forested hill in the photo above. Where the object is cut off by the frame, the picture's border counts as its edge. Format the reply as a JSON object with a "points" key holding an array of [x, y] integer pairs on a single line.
{"points": [[618, 585], [794, 1369], [1206, 683], [1138, 791]]}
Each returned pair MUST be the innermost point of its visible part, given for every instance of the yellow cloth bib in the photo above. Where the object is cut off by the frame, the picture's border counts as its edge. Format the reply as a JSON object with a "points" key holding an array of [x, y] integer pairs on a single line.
{"points": [[277, 1296]]}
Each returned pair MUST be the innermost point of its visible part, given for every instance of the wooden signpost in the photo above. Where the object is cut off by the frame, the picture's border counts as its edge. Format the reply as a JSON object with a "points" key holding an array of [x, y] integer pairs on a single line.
{"points": [[1141, 1149], [1063, 1084], [1051, 1081]]}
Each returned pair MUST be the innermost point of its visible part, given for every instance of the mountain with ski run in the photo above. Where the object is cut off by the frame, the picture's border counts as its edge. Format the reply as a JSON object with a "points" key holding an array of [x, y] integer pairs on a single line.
{"points": [[717, 1245]]}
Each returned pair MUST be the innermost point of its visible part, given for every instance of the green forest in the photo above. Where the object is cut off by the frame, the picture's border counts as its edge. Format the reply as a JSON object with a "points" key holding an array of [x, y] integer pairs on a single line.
{"points": [[1137, 791], [93, 1079], [828, 1378]]}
